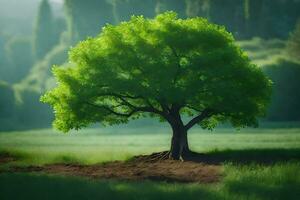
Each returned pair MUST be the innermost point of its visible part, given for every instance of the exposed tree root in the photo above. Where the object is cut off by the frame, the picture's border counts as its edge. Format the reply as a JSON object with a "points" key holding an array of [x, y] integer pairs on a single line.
{"points": [[154, 157]]}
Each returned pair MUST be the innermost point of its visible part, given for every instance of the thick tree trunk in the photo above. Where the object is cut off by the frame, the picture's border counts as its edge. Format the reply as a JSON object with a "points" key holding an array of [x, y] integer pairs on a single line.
{"points": [[179, 145]]}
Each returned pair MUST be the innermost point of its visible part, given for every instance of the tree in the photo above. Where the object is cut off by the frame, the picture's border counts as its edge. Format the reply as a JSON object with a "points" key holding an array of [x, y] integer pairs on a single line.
{"points": [[44, 36], [164, 67]]}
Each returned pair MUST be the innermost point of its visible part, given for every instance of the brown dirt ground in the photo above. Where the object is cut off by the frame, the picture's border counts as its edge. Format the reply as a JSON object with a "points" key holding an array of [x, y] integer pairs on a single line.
{"points": [[138, 168]]}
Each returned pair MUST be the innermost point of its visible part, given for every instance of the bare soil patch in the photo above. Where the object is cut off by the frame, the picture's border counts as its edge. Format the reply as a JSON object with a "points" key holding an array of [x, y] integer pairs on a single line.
{"points": [[138, 168], [197, 167]]}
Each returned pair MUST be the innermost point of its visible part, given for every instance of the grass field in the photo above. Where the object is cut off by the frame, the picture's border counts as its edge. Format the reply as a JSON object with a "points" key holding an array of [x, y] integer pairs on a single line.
{"points": [[254, 180], [101, 145]]}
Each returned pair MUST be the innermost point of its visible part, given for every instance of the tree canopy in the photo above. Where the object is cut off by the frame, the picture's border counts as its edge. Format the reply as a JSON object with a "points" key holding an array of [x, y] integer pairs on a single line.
{"points": [[155, 67]]}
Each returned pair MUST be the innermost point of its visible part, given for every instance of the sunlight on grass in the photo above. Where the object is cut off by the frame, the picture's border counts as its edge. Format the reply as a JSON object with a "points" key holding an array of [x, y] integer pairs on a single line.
{"points": [[281, 181], [102, 145]]}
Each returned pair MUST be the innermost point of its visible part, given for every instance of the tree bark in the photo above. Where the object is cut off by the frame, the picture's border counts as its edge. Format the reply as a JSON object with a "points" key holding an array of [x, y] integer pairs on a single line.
{"points": [[179, 144]]}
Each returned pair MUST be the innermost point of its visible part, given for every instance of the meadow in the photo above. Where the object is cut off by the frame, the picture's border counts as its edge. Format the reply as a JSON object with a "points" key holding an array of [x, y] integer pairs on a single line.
{"points": [[98, 145], [277, 179]]}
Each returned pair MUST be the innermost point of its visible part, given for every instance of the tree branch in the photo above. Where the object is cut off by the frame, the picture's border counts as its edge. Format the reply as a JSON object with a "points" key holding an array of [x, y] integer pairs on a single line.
{"points": [[204, 114], [112, 111], [175, 108], [193, 108], [132, 112], [120, 95], [164, 106], [124, 97]]}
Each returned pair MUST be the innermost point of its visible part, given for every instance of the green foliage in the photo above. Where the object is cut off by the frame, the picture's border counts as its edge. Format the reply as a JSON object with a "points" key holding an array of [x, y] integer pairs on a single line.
{"points": [[44, 31], [149, 66]]}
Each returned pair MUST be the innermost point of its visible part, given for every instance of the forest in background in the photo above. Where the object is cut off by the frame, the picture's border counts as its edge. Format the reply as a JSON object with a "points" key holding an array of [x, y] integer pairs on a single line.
{"points": [[34, 39]]}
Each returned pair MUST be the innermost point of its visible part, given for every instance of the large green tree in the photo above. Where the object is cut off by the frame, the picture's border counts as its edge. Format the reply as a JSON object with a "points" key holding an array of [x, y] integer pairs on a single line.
{"points": [[164, 67]]}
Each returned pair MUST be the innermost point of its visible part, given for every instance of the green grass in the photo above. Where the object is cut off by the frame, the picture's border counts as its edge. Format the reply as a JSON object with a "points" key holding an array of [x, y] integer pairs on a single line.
{"points": [[280, 181], [102, 145], [253, 179]]}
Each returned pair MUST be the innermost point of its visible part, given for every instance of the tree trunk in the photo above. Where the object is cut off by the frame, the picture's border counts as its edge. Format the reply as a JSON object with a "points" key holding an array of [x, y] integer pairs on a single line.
{"points": [[179, 145]]}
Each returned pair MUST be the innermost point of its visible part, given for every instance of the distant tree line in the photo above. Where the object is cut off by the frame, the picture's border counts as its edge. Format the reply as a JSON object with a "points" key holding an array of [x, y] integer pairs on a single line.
{"points": [[244, 18], [249, 18]]}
